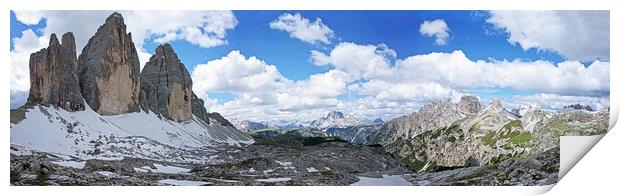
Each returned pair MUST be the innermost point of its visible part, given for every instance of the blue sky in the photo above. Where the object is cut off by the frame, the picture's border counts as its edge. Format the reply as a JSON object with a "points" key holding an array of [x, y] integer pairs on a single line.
{"points": [[254, 37], [480, 35]]}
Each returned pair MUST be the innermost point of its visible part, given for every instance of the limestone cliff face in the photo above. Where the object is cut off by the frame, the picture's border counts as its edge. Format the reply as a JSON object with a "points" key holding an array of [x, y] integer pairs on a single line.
{"points": [[53, 75], [109, 69], [167, 85], [107, 77]]}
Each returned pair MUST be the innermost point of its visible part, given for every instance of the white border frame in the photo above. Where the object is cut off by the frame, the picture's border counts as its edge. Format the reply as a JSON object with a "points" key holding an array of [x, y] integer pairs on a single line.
{"points": [[609, 156]]}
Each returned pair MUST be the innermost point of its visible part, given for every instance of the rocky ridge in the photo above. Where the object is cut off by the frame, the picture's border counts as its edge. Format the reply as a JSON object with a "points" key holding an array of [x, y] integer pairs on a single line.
{"points": [[335, 119], [438, 113], [486, 137]]}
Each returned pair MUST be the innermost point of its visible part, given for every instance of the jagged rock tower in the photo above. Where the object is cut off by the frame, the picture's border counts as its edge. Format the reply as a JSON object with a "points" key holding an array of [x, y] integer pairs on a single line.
{"points": [[167, 85], [470, 104], [109, 69], [107, 77], [53, 75]]}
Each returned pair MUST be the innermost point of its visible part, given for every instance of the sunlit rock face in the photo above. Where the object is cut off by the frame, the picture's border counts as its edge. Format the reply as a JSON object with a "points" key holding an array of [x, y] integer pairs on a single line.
{"points": [[168, 85], [53, 75], [470, 104], [109, 69]]}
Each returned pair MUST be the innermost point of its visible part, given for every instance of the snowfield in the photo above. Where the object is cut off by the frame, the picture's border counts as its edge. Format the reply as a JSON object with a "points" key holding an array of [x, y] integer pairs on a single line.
{"points": [[386, 180], [163, 169], [274, 180], [87, 135], [182, 182], [73, 164]]}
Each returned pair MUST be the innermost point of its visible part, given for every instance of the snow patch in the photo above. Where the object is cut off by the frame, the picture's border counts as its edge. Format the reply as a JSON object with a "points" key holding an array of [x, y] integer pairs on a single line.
{"points": [[73, 164], [163, 169], [424, 182], [176, 182], [274, 180], [385, 180], [312, 169], [108, 174], [267, 172]]}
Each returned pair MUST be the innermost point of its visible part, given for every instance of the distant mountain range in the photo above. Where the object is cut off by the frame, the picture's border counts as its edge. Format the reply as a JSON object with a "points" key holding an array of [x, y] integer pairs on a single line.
{"points": [[443, 134], [334, 123]]}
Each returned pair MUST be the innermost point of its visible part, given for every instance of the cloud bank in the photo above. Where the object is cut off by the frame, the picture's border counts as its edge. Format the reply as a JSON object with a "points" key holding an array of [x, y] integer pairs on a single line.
{"points": [[576, 35]]}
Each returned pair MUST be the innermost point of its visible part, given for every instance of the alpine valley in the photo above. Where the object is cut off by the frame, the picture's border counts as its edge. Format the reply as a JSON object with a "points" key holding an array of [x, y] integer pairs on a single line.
{"points": [[98, 119]]}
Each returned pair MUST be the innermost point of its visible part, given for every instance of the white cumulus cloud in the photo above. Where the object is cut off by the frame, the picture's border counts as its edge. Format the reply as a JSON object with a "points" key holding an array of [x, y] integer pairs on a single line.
{"points": [[457, 71], [28, 17], [436, 28], [440, 75], [203, 28], [303, 29], [577, 35], [28, 43], [234, 73], [359, 61], [261, 91]]}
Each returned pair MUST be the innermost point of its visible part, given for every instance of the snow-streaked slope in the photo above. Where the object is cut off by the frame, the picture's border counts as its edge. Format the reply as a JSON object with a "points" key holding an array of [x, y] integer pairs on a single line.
{"points": [[532, 117], [86, 134], [385, 180], [335, 119], [490, 119]]}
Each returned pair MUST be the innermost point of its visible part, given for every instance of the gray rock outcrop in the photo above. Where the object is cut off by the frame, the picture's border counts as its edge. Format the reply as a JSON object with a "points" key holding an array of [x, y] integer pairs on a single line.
{"points": [[470, 104], [167, 85], [109, 69], [220, 119], [198, 108], [53, 75]]}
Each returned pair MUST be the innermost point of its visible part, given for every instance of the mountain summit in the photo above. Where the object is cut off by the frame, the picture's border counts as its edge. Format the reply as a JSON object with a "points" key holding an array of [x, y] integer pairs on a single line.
{"points": [[109, 69], [53, 75], [167, 85], [335, 119]]}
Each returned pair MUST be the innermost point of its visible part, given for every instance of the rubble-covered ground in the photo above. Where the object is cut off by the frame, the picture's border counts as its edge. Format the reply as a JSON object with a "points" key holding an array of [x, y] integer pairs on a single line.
{"points": [[282, 160], [539, 169]]}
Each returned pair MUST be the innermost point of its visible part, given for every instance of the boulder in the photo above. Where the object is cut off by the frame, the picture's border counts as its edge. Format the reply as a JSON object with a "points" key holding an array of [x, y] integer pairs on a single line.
{"points": [[109, 69], [53, 75]]}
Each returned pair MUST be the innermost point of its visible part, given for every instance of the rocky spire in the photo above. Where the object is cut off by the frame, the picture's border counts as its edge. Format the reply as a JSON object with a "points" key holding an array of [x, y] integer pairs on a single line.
{"points": [[335, 115], [496, 104], [109, 69], [167, 85], [470, 104], [53, 75]]}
